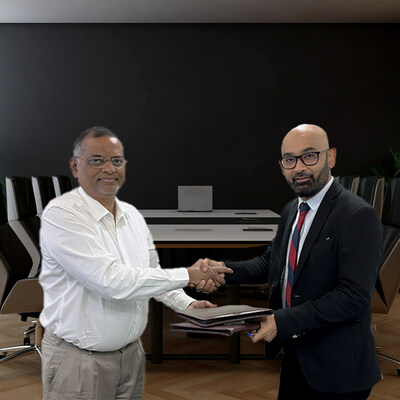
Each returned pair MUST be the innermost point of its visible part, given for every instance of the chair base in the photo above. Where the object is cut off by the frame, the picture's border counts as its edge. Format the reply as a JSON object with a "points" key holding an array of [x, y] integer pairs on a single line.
{"points": [[17, 351], [390, 359], [27, 347]]}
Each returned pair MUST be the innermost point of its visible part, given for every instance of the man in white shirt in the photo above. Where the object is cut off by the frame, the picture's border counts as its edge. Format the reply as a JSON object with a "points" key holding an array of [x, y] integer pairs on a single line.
{"points": [[99, 270]]}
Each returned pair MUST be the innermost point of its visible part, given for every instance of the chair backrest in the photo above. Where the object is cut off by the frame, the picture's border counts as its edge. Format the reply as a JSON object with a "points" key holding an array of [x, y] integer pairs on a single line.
{"points": [[61, 184], [43, 190], [22, 217], [372, 190], [350, 182], [389, 275], [4, 269], [3, 207], [15, 261], [4, 279]]}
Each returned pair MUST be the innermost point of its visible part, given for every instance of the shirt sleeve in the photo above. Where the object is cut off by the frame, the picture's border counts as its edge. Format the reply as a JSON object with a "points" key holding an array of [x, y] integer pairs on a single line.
{"points": [[176, 299], [70, 242]]}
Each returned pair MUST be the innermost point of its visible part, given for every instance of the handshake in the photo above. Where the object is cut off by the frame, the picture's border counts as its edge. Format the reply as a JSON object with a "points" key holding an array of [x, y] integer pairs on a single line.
{"points": [[207, 275]]}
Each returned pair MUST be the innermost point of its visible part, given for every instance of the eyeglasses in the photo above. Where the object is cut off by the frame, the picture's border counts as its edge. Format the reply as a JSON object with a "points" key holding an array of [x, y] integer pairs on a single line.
{"points": [[308, 159], [100, 162]]}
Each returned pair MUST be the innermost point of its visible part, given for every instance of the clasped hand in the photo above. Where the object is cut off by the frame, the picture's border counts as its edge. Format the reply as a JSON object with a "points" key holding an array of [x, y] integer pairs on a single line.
{"points": [[267, 331], [206, 285], [205, 273]]}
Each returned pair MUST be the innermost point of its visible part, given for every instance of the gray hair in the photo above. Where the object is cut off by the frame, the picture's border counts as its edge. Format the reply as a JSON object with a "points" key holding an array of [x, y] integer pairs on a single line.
{"points": [[94, 131]]}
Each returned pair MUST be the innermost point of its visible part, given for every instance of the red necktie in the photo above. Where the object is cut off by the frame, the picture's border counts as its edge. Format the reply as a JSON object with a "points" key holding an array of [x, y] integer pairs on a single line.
{"points": [[294, 247]]}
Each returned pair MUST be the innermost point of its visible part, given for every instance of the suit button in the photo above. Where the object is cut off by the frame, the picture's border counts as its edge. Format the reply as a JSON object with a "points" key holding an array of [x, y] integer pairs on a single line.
{"points": [[294, 337]]}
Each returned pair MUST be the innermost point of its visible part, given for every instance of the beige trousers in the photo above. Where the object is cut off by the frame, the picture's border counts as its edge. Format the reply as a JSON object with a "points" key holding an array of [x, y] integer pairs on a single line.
{"points": [[69, 372]]}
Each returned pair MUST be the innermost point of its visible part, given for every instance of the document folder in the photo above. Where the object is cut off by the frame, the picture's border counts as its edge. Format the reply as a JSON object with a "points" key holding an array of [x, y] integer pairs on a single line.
{"points": [[224, 314], [225, 330]]}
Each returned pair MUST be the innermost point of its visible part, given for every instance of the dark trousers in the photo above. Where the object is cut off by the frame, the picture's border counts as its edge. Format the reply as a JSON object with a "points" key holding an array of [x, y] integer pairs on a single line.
{"points": [[293, 385]]}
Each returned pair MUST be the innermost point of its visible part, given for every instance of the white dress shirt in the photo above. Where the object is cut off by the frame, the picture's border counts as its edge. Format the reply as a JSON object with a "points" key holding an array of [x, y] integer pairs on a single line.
{"points": [[98, 273], [314, 203]]}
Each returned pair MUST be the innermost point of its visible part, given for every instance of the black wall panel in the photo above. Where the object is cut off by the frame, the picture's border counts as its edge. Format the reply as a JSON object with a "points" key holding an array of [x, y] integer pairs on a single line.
{"points": [[198, 103]]}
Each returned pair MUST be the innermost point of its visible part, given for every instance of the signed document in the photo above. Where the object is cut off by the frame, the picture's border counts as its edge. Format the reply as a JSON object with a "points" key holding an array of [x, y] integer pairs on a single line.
{"points": [[223, 314], [224, 329]]}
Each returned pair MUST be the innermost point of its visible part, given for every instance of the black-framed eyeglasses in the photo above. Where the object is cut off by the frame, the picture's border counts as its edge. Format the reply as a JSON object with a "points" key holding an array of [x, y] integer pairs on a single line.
{"points": [[310, 158], [100, 162]]}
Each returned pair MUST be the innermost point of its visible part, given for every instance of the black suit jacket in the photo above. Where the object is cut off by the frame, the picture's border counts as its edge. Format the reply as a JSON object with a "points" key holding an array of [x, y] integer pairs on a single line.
{"points": [[329, 322]]}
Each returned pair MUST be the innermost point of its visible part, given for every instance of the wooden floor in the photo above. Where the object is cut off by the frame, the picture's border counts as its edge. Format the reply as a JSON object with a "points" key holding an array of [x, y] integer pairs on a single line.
{"points": [[179, 380]]}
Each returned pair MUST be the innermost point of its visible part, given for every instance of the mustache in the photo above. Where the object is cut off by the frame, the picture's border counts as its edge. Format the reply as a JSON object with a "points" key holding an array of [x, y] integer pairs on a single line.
{"points": [[301, 175]]}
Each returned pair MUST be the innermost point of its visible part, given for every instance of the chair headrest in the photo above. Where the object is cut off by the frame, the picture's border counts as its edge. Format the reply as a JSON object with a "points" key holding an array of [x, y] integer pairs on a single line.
{"points": [[391, 205], [46, 190], [347, 181], [21, 194], [63, 182], [366, 189]]}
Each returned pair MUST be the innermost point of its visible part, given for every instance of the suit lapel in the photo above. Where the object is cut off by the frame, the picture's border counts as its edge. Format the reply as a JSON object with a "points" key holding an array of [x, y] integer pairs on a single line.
{"points": [[319, 220]]}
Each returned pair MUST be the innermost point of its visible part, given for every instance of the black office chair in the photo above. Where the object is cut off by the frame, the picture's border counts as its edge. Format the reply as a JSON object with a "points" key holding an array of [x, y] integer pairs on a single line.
{"points": [[372, 190], [388, 282], [350, 182], [43, 190], [61, 184], [22, 217], [18, 294]]}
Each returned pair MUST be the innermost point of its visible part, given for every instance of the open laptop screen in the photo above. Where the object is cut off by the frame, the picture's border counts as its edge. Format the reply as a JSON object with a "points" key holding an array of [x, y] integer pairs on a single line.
{"points": [[195, 198]]}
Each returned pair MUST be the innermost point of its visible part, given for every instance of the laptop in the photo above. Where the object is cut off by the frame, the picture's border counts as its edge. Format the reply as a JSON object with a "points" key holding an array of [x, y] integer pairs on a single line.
{"points": [[195, 198]]}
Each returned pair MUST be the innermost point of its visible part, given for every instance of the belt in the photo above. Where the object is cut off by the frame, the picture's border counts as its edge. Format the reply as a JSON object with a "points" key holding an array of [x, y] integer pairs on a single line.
{"points": [[58, 341]]}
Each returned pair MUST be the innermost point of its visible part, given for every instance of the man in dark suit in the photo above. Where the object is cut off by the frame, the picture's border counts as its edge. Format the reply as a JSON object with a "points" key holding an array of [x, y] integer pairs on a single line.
{"points": [[321, 268]]}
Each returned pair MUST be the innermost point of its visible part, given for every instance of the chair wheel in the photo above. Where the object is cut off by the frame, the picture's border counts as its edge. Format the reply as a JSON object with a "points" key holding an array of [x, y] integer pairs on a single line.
{"points": [[27, 341], [398, 372]]}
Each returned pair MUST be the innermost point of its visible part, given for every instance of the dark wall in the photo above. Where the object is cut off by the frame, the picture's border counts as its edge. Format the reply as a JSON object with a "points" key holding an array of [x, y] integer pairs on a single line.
{"points": [[198, 103]]}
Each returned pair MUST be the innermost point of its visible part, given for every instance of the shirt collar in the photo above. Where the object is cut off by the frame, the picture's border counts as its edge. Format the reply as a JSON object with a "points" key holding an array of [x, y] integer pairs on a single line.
{"points": [[316, 200], [120, 210], [98, 210]]}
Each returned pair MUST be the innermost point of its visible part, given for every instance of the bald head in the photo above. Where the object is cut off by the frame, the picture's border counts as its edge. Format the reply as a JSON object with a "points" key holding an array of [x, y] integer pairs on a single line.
{"points": [[306, 133]]}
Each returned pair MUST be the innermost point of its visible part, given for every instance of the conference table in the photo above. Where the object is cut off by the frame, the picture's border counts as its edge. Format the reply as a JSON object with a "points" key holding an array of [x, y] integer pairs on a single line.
{"points": [[217, 229]]}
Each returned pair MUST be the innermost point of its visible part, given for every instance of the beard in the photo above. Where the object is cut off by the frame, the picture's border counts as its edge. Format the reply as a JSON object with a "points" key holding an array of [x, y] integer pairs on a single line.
{"points": [[311, 186]]}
